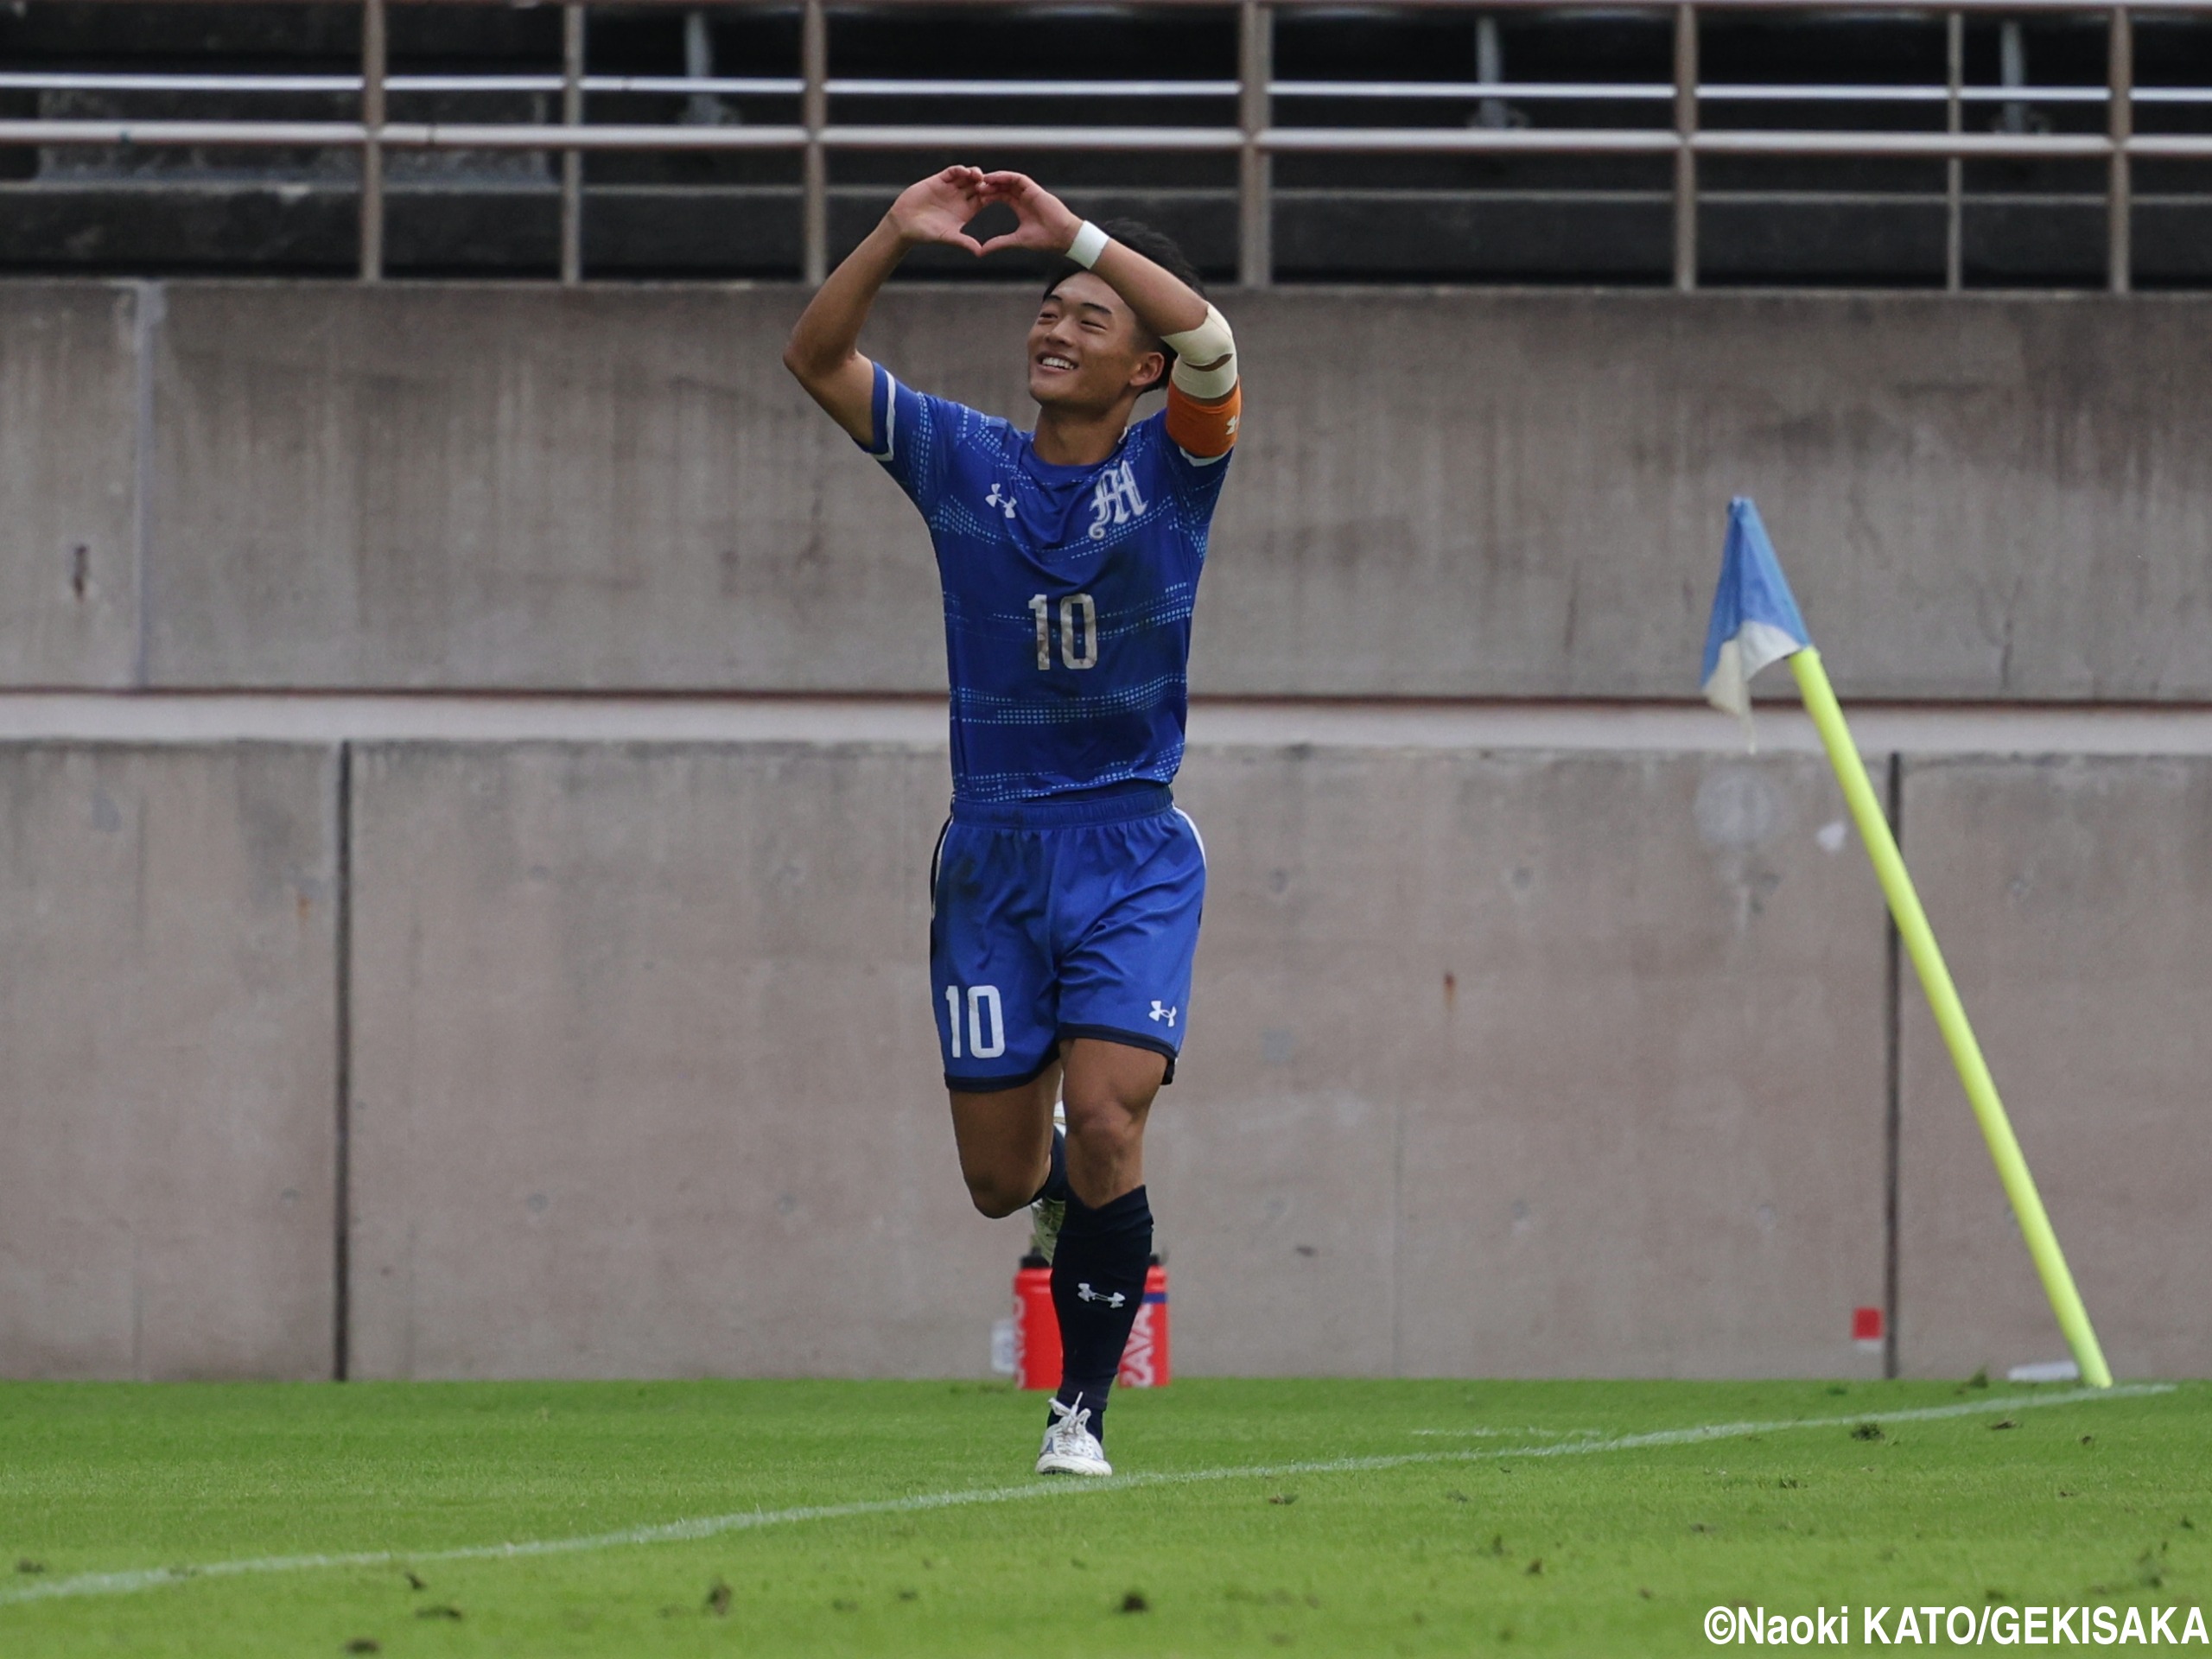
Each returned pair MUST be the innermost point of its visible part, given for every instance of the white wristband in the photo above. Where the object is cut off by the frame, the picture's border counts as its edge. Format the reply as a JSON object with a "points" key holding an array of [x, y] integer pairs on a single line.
{"points": [[1089, 241]]}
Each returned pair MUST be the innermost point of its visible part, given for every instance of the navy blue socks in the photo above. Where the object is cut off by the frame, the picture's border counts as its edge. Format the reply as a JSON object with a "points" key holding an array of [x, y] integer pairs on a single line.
{"points": [[1098, 1287]]}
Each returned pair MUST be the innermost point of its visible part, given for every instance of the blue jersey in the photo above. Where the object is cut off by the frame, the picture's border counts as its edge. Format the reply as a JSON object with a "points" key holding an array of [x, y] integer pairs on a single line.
{"points": [[1068, 592]]}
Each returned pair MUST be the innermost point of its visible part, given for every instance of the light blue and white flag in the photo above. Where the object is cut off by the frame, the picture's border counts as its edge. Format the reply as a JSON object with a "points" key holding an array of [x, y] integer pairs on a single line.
{"points": [[1755, 619]]}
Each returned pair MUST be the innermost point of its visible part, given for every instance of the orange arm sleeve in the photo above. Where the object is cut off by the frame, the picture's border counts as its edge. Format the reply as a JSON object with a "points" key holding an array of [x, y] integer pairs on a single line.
{"points": [[1203, 429]]}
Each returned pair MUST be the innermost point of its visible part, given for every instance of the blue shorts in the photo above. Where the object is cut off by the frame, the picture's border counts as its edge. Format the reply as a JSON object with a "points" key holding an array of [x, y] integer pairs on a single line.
{"points": [[1054, 920]]}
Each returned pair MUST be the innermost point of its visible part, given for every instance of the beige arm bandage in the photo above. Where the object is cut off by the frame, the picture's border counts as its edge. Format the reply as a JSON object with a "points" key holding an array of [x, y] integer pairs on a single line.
{"points": [[1209, 342]]}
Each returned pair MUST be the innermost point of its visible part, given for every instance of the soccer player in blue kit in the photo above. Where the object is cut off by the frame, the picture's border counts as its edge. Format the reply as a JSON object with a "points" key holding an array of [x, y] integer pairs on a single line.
{"points": [[1066, 886]]}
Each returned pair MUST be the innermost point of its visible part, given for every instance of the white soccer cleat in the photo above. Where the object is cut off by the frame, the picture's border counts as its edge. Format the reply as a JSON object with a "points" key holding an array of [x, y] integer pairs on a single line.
{"points": [[1070, 1446]]}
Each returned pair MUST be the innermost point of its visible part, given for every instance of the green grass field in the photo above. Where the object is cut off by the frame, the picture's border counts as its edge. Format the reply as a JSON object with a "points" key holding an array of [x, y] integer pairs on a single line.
{"points": [[899, 1517]]}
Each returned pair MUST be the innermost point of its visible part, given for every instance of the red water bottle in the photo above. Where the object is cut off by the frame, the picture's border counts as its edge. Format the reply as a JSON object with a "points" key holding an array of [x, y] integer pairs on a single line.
{"points": [[1036, 1327], [1037, 1331], [1144, 1362]]}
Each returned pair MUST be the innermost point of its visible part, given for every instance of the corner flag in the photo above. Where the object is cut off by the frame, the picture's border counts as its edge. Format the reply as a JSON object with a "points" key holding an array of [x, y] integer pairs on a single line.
{"points": [[1755, 622], [1755, 619]]}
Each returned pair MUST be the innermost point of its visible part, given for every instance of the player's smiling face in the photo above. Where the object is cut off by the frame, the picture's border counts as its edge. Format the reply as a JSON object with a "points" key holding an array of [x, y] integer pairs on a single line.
{"points": [[1086, 350]]}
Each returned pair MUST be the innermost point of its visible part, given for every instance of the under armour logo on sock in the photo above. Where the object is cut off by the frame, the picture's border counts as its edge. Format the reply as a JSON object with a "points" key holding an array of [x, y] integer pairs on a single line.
{"points": [[1161, 1011], [1084, 1293]]}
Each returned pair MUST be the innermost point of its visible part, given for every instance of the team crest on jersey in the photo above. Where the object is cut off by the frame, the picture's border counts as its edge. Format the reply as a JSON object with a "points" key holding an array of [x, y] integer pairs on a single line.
{"points": [[1114, 500]]}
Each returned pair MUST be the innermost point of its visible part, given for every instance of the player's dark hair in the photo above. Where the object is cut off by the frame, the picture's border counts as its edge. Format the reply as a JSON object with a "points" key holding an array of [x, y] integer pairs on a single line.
{"points": [[1158, 246]]}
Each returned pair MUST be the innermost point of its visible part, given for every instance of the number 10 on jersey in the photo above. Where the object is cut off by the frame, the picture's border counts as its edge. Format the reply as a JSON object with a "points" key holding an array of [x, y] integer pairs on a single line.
{"points": [[986, 1021], [1078, 631]]}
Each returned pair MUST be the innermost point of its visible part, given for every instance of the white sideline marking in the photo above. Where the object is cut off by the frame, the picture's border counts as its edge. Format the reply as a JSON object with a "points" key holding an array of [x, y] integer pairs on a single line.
{"points": [[128, 1583]]}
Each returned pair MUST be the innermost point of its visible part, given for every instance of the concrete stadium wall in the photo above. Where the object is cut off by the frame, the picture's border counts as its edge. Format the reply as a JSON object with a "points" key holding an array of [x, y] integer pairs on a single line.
{"points": [[481, 486], [1509, 1062], [70, 438], [1526, 1064], [646, 1079], [601, 1055], [2074, 899], [168, 1015]]}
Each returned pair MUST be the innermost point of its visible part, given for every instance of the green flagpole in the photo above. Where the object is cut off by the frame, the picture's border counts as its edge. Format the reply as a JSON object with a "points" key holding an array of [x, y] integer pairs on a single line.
{"points": [[1950, 1016]]}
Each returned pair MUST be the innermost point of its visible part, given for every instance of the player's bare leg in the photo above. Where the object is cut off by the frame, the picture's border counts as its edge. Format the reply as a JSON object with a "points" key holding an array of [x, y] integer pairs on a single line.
{"points": [[1005, 1139], [1013, 1152], [1110, 1089]]}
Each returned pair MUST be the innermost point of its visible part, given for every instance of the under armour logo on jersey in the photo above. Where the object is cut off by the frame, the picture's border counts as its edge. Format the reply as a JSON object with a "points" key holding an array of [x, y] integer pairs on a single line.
{"points": [[1161, 1011], [1086, 1293], [1114, 500], [1001, 496]]}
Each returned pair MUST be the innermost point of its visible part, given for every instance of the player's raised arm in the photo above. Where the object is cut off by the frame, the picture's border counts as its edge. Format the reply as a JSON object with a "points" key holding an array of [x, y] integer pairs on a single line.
{"points": [[823, 351], [1204, 401]]}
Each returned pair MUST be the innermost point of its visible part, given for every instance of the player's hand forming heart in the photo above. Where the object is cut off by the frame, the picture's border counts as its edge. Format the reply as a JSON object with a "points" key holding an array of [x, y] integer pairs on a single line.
{"points": [[938, 208], [1045, 222]]}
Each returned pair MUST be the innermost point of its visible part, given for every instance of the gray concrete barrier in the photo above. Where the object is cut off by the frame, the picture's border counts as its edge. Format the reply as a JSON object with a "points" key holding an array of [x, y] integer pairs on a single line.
{"points": [[69, 496], [2071, 897], [1519, 1064], [168, 1011], [1471, 493], [1513, 1062], [1522, 495], [644, 1076], [1526, 1064], [517, 487]]}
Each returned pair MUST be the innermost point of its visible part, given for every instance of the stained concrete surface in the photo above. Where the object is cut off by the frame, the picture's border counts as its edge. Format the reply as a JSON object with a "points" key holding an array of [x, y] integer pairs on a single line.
{"points": [[1506, 1062], [645, 1082], [1479, 493], [2071, 897], [69, 433], [1522, 495], [520, 488], [644, 1076], [168, 1109], [1528, 1064]]}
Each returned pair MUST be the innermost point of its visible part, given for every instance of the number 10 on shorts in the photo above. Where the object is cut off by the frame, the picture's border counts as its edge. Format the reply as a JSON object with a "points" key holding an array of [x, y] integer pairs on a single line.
{"points": [[986, 1022]]}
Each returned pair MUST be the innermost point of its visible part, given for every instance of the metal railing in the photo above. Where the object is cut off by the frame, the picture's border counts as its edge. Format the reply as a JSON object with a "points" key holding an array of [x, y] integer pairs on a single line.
{"points": [[1256, 138]]}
